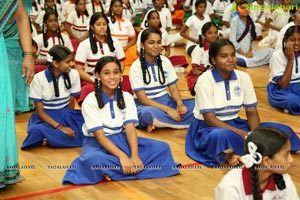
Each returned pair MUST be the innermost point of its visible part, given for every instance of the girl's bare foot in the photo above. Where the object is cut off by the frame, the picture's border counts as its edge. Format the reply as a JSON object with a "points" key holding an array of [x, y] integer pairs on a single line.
{"points": [[150, 128], [106, 177], [233, 159], [45, 143], [20, 179]]}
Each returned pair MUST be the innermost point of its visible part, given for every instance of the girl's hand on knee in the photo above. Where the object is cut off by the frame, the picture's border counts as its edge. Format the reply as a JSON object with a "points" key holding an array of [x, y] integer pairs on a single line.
{"points": [[181, 109], [68, 131], [127, 165], [174, 114]]}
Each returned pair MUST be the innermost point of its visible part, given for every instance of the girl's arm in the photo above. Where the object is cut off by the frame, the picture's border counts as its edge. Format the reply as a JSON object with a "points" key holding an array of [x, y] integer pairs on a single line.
{"points": [[184, 34], [252, 117], [167, 51], [25, 38], [68, 29], [108, 145], [177, 97], [83, 74], [72, 102], [133, 143], [49, 120], [131, 42], [211, 120], [285, 80]]}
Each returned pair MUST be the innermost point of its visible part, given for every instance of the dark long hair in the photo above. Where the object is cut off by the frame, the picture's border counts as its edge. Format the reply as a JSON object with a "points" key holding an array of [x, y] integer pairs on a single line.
{"points": [[111, 15], [161, 75], [269, 141], [45, 18], [93, 43], [59, 53], [97, 85]]}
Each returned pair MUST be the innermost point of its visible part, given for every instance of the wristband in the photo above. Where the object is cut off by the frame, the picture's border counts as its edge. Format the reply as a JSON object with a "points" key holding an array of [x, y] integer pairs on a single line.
{"points": [[59, 126]]}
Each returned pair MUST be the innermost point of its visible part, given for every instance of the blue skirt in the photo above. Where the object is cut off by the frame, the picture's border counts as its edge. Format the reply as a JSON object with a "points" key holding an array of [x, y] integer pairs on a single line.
{"points": [[287, 98], [38, 130], [147, 114], [207, 144], [95, 162]]}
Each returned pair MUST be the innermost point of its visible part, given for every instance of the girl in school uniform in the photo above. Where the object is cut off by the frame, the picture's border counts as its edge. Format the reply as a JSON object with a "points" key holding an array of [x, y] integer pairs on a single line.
{"points": [[284, 87], [151, 77], [242, 35], [265, 175], [200, 62], [294, 20], [153, 21], [77, 24], [128, 10], [50, 37], [49, 6], [55, 122], [99, 44], [122, 29], [36, 8], [217, 134], [67, 7], [193, 25], [111, 148], [96, 6]]}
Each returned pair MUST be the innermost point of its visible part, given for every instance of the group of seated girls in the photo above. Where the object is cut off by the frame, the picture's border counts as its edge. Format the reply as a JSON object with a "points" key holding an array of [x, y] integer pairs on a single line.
{"points": [[220, 94]]}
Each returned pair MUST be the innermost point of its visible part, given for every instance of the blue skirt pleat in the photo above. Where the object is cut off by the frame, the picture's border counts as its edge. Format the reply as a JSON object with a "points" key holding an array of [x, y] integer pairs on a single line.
{"points": [[95, 162], [38, 130], [287, 98], [207, 144], [146, 114]]}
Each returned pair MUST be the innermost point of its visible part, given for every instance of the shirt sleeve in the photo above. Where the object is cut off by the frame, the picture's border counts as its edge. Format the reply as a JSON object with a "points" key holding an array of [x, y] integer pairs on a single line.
{"points": [[136, 76], [197, 56], [119, 50], [76, 88], [249, 92], [277, 65], [291, 192], [36, 88], [167, 66], [81, 53], [90, 109], [67, 42], [228, 193], [131, 112]]}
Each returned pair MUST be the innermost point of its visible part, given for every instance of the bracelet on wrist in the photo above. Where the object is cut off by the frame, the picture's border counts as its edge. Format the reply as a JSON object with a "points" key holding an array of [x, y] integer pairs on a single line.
{"points": [[59, 126], [28, 53]]}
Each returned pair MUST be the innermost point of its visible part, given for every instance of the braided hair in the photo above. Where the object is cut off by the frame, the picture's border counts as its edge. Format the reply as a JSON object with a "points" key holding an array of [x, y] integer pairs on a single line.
{"points": [[59, 53], [92, 39], [45, 18], [101, 6], [97, 85], [86, 13], [110, 12], [161, 75], [289, 32], [249, 21], [269, 141]]}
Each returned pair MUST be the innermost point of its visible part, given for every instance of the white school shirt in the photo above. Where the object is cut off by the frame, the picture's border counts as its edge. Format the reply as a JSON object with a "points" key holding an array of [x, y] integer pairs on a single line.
{"points": [[195, 25], [209, 9], [281, 35], [39, 19], [164, 39], [122, 30], [219, 6], [200, 56], [280, 17], [110, 118], [139, 6], [225, 98], [42, 90], [278, 64], [79, 25], [67, 7], [154, 89], [42, 50], [126, 13], [84, 54], [232, 187], [34, 12], [89, 8]]}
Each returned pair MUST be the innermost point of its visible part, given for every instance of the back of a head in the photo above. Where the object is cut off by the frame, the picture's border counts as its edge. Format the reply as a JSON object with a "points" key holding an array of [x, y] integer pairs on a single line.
{"points": [[59, 52]]}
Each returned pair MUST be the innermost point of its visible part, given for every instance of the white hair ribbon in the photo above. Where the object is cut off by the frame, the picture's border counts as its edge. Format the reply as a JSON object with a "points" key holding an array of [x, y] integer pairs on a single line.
{"points": [[253, 157], [49, 58]]}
